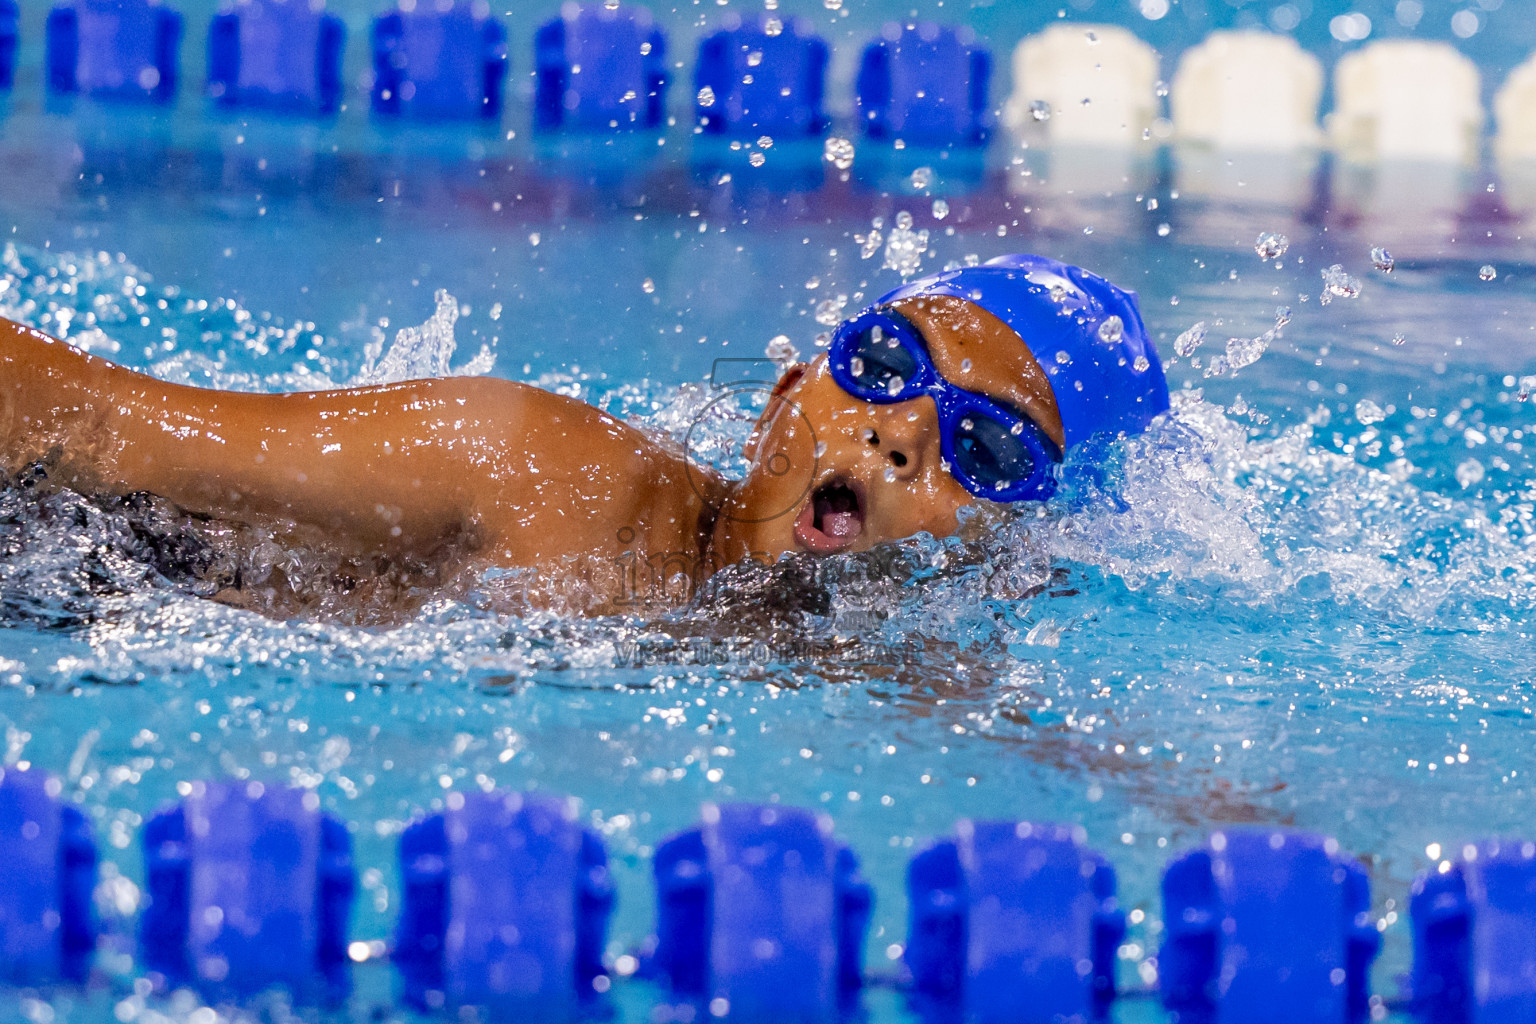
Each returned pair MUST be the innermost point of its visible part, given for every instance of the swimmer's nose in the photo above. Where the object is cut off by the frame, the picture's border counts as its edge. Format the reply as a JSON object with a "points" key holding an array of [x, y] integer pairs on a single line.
{"points": [[901, 436]]}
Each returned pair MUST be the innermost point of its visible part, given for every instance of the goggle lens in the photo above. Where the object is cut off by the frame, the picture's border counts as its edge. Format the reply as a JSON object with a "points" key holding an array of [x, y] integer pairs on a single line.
{"points": [[993, 455], [879, 363]]}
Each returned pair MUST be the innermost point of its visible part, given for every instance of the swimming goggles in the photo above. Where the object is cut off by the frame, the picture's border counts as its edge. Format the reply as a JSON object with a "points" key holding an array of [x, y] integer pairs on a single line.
{"points": [[995, 453]]}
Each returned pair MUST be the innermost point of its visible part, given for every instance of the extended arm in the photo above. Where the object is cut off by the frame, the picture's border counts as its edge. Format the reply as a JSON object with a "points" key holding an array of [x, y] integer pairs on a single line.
{"points": [[525, 475]]}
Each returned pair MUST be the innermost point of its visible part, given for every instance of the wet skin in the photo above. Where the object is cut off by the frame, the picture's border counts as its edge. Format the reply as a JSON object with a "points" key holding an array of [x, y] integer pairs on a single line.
{"points": [[494, 472]]}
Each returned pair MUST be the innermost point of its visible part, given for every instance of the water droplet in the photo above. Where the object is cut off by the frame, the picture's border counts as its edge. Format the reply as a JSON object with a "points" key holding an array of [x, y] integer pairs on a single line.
{"points": [[1039, 110], [1368, 412], [1243, 352], [890, 475], [1186, 343], [612, 5], [1063, 358], [1017, 428], [1088, 230], [830, 311], [856, 366], [821, 448], [965, 366], [922, 177], [1111, 330], [1058, 293], [1399, 339], [967, 424], [1161, 88], [757, 159], [812, 283], [1142, 364], [1337, 283], [894, 385], [838, 152], [1487, 272], [773, 26], [940, 209], [1271, 244], [1469, 473], [782, 351], [904, 248], [1282, 316], [765, 142], [1163, 229], [869, 244], [648, 286], [832, 5], [1382, 260]]}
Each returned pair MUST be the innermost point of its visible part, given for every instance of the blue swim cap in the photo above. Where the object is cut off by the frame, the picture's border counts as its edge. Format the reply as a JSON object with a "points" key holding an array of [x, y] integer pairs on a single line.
{"points": [[1105, 380]]}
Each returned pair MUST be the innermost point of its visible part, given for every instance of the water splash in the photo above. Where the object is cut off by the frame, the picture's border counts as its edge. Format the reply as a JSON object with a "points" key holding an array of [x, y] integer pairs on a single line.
{"points": [[423, 351]]}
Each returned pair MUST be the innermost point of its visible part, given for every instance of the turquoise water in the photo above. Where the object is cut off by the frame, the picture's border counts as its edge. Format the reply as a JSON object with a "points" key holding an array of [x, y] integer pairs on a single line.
{"points": [[1283, 606]]}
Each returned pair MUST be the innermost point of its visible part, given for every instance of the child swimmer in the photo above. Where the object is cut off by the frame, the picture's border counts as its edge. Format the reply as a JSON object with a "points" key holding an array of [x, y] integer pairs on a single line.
{"points": [[958, 387]]}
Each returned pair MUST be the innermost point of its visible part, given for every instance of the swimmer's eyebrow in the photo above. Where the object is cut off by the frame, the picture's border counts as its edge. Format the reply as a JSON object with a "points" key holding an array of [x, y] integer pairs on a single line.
{"points": [[1006, 403]]}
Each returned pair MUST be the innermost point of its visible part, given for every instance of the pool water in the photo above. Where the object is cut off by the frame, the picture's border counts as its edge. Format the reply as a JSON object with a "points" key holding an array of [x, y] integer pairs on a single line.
{"points": [[1304, 600]]}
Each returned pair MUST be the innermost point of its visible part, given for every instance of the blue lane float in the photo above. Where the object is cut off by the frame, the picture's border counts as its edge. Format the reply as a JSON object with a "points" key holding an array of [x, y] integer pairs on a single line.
{"points": [[250, 887], [439, 63], [925, 84], [1474, 937], [600, 68], [761, 914], [47, 873], [113, 49], [766, 76], [1265, 927], [10, 18], [505, 906], [276, 54], [1012, 922]]}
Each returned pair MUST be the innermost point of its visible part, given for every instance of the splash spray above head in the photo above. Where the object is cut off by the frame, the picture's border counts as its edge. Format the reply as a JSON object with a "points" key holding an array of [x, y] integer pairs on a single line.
{"points": [[1086, 334]]}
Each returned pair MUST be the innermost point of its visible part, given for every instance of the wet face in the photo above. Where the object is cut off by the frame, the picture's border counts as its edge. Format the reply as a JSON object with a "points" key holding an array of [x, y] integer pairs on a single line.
{"points": [[831, 473]]}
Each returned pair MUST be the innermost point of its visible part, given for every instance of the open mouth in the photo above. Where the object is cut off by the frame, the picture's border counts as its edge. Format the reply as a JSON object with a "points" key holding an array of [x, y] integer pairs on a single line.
{"points": [[832, 519]]}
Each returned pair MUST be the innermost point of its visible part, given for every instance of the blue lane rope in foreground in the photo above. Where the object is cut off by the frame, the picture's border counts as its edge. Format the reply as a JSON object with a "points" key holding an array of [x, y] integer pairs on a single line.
{"points": [[505, 900], [1013, 921], [47, 873], [761, 915], [249, 887]]}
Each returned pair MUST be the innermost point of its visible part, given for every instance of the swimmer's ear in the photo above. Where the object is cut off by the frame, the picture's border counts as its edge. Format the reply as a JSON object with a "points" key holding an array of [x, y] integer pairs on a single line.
{"points": [[776, 402]]}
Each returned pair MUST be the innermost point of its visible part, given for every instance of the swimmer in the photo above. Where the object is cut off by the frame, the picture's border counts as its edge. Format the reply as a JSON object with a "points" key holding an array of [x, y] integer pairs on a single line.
{"points": [[961, 387]]}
